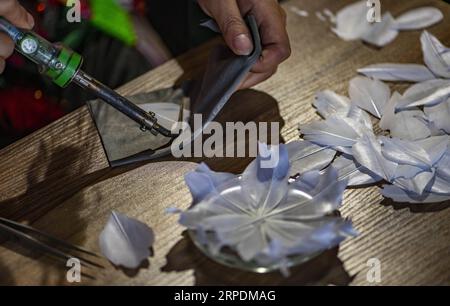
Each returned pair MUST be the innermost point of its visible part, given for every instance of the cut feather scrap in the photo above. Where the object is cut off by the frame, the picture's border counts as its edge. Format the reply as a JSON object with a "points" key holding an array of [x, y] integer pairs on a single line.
{"points": [[126, 242], [263, 219]]}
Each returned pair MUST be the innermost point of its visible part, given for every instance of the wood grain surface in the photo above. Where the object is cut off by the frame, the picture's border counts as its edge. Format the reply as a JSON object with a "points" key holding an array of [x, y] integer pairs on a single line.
{"points": [[58, 179]]}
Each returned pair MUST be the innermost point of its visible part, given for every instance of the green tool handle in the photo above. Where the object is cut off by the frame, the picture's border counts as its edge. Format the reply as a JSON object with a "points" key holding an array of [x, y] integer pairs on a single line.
{"points": [[57, 62], [62, 65]]}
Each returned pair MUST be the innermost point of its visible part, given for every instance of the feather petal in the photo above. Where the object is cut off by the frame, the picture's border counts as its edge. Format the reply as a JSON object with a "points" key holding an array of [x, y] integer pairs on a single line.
{"points": [[367, 152], [420, 18], [439, 115], [335, 131], [443, 166], [427, 93], [401, 196], [352, 171], [398, 72], [417, 184], [351, 21], [436, 55], [126, 242], [203, 181], [329, 103], [381, 33], [370, 95], [406, 153], [408, 124], [305, 156], [266, 186]]}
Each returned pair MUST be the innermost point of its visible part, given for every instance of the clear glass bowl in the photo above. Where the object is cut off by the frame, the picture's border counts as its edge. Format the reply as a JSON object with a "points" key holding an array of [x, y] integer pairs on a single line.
{"points": [[230, 258]]}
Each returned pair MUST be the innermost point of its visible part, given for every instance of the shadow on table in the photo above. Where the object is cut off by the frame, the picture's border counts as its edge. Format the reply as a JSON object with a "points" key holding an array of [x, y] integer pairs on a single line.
{"points": [[244, 106], [417, 208], [55, 174], [6, 278], [325, 269]]}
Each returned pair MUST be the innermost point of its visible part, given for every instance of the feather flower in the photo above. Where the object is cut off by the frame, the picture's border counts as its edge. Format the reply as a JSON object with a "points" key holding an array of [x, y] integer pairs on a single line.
{"points": [[264, 218]]}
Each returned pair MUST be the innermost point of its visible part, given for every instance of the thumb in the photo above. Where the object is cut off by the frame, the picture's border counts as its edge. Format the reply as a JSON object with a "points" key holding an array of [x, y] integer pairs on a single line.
{"points": [[235, 31]]}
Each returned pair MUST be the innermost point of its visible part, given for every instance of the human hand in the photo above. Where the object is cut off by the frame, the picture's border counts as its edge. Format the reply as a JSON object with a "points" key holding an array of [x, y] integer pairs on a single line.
{"points": [[17, 15], [271, 20]]}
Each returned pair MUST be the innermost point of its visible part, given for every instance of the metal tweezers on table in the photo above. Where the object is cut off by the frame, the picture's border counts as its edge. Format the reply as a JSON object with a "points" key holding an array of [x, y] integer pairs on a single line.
{"points": [[47, 244]]}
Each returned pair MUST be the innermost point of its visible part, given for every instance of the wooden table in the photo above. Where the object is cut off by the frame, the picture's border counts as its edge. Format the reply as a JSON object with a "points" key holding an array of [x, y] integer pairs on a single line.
{"points": [[58, 179]]}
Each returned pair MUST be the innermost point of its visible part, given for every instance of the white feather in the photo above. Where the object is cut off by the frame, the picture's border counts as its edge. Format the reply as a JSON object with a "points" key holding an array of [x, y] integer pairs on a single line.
{"points": [[419, 18], [381, 33], [406, 153], [398, 72], [126, 242], [357, 175], [408, 124], [439, 115], [305, 156], [335, 131], [443, 166], [417, 184], [329, 103], [351, 21], [401, 196], [367, 152], [370, 95], [436, 55], [428, 93]]}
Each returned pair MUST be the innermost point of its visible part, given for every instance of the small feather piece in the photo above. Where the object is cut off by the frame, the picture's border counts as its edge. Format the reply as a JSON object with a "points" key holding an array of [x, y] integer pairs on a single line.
{"points": [[436, 55], [305, 156], [420, 18], [406, 153], [370, 95], [126, 242], [440, 185], [417, 184], [357, 175], [401, 196], [408, 124], [329, 103], [367, 152], [398, 72], [381, 33], [203, 181], [388, 118], [351, 21], [428, 93], [439, 115], [333, 132], [423, 154], [362, 120], [407, 171], [443, 166], [435, 146], [264, 181]]}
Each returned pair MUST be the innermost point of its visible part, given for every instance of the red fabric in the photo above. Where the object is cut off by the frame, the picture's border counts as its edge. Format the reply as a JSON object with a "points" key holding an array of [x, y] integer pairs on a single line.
{"points": [[21, 113]]}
